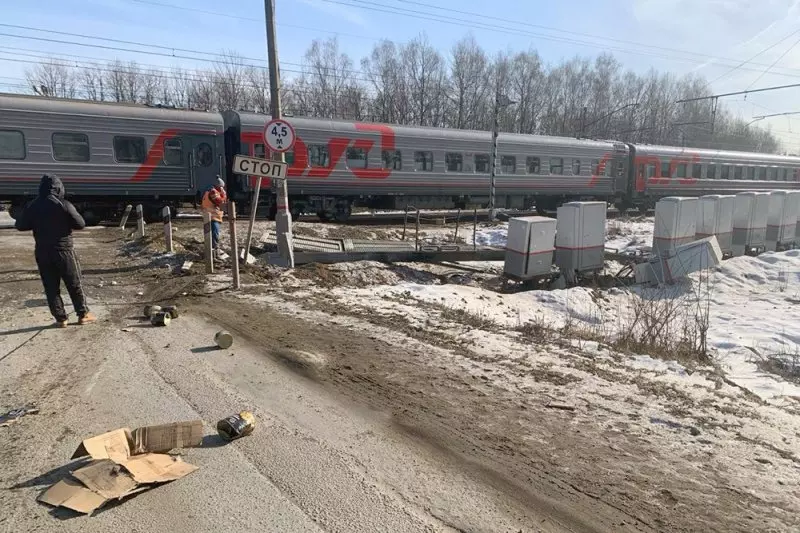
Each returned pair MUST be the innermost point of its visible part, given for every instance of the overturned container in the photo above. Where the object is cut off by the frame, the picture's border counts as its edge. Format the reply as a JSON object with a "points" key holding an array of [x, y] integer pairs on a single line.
{"points": [[161, 319], [172, 310], [223, 339], [236, 426]]}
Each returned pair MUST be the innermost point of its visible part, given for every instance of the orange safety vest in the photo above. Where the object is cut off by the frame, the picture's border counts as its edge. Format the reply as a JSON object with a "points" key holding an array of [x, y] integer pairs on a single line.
{"points": [[212, 201]]}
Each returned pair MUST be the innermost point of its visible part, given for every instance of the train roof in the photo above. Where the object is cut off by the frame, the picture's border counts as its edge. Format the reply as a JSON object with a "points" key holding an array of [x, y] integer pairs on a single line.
{"points": [[257, 121], [41, 104], [721, 155]]}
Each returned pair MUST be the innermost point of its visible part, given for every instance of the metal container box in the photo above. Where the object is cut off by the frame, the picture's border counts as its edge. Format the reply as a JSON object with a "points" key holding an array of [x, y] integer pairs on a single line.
{"points": [[715, 217], [750, 212], [782, 219], [529, 251], [580, 238], [676, 223]]}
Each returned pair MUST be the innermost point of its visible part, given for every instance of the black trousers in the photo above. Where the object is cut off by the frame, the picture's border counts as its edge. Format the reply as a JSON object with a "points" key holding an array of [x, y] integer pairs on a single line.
{"points": [[56, 266]]}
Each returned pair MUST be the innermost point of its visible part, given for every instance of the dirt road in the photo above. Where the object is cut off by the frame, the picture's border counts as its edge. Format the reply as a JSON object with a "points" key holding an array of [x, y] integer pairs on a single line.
{"points": [[354, 432]]}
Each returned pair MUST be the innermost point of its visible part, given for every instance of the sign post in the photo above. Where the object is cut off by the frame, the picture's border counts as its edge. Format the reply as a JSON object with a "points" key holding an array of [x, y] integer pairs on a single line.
{"points": [[280, 136]]}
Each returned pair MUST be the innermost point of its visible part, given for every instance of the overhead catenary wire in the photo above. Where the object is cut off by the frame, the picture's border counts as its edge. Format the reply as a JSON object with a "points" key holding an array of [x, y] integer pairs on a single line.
{"points": [[774, 63], [767, 49]]}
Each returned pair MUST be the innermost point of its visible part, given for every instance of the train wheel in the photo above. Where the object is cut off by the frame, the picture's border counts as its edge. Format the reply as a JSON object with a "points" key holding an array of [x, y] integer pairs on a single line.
{"points": [[323, 216], [90, 217], [342, 213]]}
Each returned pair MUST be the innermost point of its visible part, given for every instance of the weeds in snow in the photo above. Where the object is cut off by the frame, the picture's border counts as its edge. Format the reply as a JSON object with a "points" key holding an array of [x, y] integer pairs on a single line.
{"points": [[782, 360], [477, 320]]}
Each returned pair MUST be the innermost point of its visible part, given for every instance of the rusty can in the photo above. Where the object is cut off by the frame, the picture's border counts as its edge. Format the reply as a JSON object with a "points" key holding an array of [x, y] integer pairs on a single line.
{"points": [[172, 310], [223, 339], [160, 319], [236, 426]]}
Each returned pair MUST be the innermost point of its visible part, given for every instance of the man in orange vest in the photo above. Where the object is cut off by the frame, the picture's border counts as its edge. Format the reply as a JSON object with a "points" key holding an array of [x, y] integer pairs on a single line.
{"points": [[212, 203]]}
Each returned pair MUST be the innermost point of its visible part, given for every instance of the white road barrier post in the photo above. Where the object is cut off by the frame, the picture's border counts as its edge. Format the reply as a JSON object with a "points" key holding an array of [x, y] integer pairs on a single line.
{"points": [[234, 244], [125, 215], [209, 245], [139, 221], [167, 227]]}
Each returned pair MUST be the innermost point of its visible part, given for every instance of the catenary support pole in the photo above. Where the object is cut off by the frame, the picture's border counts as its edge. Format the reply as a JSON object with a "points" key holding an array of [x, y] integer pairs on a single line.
{"points": [[167, 216], [234, 244], [493, 162], [283, 217]]}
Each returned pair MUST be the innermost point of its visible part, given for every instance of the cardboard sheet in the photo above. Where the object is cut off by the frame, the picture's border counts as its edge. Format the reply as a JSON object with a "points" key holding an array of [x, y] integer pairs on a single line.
{"points": [[125, 463], [71, 494], [106, 478], [166, 437]]}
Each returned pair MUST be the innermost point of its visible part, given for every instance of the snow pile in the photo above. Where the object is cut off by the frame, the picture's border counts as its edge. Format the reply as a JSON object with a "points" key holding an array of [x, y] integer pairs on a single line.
{"points": [[625, 236]]}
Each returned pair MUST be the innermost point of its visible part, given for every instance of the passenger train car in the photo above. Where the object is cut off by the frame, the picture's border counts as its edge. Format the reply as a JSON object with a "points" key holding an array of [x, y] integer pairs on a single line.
{"points": [[111, 155]]}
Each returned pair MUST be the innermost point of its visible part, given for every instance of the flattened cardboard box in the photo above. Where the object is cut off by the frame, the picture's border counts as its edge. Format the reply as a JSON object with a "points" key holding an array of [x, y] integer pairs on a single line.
{"points": [[124, 462]]}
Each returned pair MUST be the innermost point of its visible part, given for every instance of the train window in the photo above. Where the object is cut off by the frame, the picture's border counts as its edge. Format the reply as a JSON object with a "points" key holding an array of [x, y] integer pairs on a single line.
{"points": [[665, 172], [725, 172], [356, 158], [173, 152], [762, 173], [595, 167], [423, 161], [130, 149], [508, 164], [70, 147], [621, 169], [784, 176], [481, 162], [711, 171], [12, 144], [576, 167], [651, 170], [609, 170], [697, 171], [204, 155], [751, 173], [680, 170], [556, 165], [392, 159], [318, 155], [533, 164], [454, 161], [738, 172], [772, 174], [260, 150]]}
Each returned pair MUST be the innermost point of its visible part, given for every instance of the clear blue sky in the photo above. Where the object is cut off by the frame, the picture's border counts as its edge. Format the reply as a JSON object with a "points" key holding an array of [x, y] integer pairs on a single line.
{"points": [[707, 29]]}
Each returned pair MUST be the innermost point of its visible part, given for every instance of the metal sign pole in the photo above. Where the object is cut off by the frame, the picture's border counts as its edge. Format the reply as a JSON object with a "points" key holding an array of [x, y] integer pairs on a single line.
{"points": [[253, 208], [283, 218]]}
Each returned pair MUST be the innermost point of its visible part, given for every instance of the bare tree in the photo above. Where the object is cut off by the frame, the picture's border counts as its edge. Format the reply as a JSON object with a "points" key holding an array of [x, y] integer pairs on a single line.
{"points": [[383, 70], [92, 82], [53, 78], [469, 71], [258, 78], [231, 80], [425, 74]]}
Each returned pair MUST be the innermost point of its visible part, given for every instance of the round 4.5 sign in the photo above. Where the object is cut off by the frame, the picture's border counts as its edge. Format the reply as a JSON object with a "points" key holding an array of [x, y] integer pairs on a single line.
{"points": [[279, 135]]}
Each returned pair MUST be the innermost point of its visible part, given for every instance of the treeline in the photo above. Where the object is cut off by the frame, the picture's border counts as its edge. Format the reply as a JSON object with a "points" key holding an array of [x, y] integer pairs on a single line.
{"points": [[415, 84]]}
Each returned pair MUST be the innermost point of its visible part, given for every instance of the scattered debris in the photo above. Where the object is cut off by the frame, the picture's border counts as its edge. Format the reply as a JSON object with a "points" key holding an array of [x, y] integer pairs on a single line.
{"points": [[236, 426], [161, 319], [140, 293], [150, 310], [187, 266], [560, 406], [114, 283], [223, 339], [14, 414], [126, 330], [171, 310], [124, 462]]}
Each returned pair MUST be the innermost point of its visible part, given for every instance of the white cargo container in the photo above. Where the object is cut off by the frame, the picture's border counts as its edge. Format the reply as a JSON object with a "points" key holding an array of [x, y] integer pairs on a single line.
{"points": [[784, 207], [715, 217], [676, 223], [703, 254], [580, 238], [750, 211], [530, 246]]}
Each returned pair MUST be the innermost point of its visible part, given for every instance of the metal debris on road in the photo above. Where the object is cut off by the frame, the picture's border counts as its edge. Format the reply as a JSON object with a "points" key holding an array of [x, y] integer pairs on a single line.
{"points": [[150, 310], [223, 339], [15, 414], [171, 310], [236, 426], [161, 319]]}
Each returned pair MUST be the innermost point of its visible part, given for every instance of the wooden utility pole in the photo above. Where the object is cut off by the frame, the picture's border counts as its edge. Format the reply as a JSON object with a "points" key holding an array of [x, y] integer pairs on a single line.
{"points": [[283, 217], [234, 244]]}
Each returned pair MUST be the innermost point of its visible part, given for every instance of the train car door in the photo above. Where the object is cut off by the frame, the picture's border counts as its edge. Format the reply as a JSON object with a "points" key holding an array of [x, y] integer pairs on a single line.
{"points": [[204, 161]]}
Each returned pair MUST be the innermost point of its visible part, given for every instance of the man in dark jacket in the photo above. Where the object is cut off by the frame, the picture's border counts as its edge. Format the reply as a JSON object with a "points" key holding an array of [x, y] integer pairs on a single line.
{"points": [[52, 219]]}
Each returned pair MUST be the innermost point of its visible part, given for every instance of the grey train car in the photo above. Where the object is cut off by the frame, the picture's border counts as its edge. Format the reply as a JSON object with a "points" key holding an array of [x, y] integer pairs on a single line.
{"points": [[671, 171], [108, 155], [336, 165]]}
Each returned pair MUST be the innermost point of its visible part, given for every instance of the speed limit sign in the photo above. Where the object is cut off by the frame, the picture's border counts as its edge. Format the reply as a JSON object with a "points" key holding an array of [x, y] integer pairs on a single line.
{"points": [[279, 135]]}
